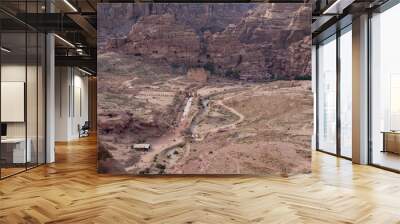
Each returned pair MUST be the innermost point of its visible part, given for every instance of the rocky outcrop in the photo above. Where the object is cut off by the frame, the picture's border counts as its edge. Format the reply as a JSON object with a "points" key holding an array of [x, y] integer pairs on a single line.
{"points": [[244, 41], [198, 74], [163, 38], [127, 127], [115, 19], [299, 62], [114, 43], [265, 44]]}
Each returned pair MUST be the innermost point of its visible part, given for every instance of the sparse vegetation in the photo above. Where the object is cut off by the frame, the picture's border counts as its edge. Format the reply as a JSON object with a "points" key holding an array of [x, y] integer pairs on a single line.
{"points": [[160, 166], [152, 92], [179, 68], [209, 67], [175, 66], [155, 158], [232, 73], [302, 77], [187, 132], [145, 171]]}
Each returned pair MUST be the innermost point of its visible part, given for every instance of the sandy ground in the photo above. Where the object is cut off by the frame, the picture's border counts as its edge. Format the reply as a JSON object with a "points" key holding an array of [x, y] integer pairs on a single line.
{"points": [[271, 133], [220, 127], [252, 128]]}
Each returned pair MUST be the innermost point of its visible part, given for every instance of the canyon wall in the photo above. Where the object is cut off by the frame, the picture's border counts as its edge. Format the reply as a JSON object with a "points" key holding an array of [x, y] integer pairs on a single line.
{"points": [[241, 41]]}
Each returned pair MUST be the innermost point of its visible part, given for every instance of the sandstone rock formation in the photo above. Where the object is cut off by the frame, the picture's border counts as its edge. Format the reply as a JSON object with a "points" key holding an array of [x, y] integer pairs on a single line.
{"points": [[162, 37], [153, 61], [198, 74], [116, 18], [243, 41], [259, 46], [116, 42]]}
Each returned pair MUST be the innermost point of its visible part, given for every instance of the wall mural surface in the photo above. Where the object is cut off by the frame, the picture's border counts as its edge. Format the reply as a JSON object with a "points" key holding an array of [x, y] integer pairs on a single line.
{"points": [[204, 88]]}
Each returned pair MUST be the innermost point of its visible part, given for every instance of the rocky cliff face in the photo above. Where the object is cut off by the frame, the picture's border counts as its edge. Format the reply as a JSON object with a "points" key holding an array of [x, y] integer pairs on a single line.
{"points": [[265, 44], [161, 37], [116, 19], [245, 41]]}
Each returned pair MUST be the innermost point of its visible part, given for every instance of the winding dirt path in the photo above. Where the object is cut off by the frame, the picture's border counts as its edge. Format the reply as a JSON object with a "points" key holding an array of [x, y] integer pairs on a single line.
{"points": [[175, 137], [201, 136], [224, 127]]}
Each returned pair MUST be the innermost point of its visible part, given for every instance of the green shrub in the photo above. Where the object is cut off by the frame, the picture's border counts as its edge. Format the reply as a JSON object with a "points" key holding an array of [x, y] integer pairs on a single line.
{"points": [[160, 166], [175, 66], [232, 73], [209, 67], [302, 77]]}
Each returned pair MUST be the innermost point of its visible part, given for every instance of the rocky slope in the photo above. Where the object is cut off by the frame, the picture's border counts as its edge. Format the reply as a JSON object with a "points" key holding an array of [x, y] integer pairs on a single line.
{"points": [[246, 41], [273, 41], [161, 37], [115, 19]]}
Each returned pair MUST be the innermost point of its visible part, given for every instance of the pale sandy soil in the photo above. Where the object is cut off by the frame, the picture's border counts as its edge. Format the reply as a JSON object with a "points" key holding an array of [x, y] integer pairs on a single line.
{"points": [[271, 135], [246, 128]]}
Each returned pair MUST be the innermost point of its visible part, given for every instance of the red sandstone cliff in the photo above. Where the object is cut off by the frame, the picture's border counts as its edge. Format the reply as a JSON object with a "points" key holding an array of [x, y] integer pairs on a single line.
{"points": [[246, 41]]}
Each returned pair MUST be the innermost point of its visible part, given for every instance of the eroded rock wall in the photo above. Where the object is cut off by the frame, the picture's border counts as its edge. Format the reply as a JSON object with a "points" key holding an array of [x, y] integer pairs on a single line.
{"points": [[244, 41]]}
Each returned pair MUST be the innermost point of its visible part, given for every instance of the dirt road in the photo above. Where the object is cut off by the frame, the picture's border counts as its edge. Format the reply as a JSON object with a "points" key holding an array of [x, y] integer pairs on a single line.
{"points": [[170, 139], [201, 136]]}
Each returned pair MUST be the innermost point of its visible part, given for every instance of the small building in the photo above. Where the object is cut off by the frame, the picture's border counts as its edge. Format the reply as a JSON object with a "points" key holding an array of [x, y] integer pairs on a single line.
{"points": [[142, 147]]}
